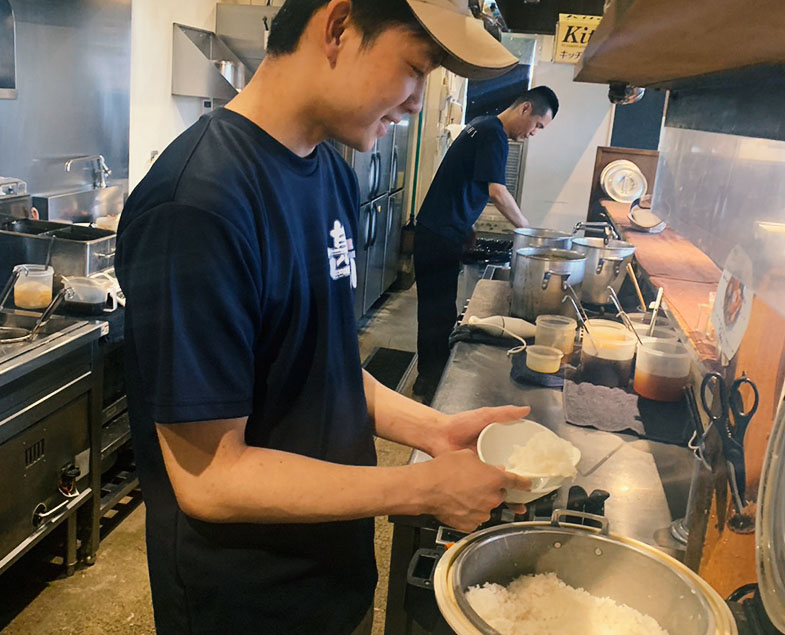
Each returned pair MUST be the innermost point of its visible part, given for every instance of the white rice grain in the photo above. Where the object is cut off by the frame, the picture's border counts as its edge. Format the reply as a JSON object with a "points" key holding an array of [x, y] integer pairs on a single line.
{"points": [[544, 605]]}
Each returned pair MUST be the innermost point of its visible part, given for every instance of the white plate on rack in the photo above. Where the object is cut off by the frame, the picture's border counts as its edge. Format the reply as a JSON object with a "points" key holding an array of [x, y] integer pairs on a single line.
{"points": [[623, 181]]}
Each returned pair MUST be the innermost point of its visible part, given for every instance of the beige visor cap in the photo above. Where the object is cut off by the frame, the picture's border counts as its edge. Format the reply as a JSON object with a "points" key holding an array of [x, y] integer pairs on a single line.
{"points": [[471, 51]]}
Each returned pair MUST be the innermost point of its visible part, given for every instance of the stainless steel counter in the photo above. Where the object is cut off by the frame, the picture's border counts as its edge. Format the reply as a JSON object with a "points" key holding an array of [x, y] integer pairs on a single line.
{"points": [[648, 481], [58, 337]]}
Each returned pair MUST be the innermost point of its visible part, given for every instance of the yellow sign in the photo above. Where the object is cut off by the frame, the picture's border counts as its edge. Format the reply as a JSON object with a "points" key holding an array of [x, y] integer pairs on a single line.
{"points": [[572, 36]]}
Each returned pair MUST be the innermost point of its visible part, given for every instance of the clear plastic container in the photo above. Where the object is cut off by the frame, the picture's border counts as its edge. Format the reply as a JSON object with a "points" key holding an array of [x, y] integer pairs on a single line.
{"points": [[607, 356], [556, 331], [33, 288], [543, 359], [607, 324], [662, 370], [661, 333]]}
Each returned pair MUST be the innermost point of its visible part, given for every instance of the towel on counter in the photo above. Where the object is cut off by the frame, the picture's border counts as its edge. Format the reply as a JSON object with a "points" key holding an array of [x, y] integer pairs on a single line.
{"points": [[620, 410], [524, 375]]}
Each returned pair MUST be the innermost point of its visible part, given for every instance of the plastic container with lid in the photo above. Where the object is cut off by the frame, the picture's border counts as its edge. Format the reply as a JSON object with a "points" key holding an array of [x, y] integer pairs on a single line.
{"points": [[606, 324], [556, 331], [33, 287], [660, 333], [607, 355], [662, 370], [543, 359]]}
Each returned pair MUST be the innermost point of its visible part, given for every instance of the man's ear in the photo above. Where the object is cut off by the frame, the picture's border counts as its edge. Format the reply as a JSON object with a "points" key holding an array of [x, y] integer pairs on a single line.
{"points": [[525, 107], [335, 27]]}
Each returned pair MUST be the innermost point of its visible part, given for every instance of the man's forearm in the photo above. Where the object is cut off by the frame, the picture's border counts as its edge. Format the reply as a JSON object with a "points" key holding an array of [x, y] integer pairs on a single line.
{"points": [[506, 204], [397, 418], [216, 478]]}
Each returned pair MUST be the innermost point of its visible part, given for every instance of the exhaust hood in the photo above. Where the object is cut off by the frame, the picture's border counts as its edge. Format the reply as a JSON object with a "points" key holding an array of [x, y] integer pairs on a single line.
{"points": [[204, 66], [7, 51], [244, 28]]}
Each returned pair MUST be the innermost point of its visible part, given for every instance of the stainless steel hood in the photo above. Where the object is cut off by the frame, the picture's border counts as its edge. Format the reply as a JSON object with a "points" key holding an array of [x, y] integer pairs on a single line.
{"points": [[197, 56], [7, 51], [244, 28]]}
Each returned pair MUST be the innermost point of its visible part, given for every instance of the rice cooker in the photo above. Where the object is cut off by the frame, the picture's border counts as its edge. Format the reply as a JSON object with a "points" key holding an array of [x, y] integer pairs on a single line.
{"points": [[626, 570], [606, 565]]}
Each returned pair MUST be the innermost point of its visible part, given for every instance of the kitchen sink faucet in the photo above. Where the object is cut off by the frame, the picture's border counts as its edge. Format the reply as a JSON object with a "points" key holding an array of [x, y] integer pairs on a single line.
{"points": [[100, 170]]}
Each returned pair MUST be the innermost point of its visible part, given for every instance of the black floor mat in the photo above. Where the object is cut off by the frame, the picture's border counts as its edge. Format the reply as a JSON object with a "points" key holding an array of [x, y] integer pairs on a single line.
{"points": [[388, 365]]}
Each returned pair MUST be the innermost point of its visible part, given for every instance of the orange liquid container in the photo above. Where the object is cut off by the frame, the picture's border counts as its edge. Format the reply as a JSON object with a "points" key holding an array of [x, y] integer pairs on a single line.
{"points": [[662, 370], [659, 388]]}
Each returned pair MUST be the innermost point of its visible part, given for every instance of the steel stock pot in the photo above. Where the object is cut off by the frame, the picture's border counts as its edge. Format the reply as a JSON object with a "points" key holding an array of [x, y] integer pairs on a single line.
{"points": [[606, 266], [524, 237], [541, 279]]}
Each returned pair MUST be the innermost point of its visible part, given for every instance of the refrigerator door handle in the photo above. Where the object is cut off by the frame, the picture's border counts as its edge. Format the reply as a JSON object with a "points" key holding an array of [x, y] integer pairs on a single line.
{"points": [[371, 226], [378, 210], [394, 170], [378, 173], [389, 215], [372, 176], [367, 232]]}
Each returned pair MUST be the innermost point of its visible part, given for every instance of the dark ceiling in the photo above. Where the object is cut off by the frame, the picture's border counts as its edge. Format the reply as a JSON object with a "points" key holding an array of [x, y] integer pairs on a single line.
{"points": [[527, 17]]}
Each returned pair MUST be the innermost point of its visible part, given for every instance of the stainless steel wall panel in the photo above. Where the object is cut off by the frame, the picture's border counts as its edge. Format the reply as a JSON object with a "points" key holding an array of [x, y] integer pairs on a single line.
{"points": [[7, 51], [73, 81]]}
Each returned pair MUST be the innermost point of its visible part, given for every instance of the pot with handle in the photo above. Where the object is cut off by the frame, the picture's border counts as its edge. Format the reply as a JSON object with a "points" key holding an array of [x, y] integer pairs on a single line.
{"points": [[606, 266], [542, 276], [524, 237], [606, 565]]}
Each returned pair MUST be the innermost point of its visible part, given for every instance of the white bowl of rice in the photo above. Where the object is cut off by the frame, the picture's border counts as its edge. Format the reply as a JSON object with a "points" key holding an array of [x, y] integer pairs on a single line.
{"points": [[531, 450]]}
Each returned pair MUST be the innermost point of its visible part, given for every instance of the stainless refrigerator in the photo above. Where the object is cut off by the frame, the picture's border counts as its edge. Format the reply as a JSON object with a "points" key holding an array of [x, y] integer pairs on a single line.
{"points": [[381, 174]]}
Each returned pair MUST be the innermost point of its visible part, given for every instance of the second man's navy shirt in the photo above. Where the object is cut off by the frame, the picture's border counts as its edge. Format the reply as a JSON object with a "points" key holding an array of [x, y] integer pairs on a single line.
{"points": [[459, 191]]}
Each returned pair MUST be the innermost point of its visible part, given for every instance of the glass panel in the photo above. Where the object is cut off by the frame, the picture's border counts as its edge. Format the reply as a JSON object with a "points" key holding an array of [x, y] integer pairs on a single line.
{"points": [[721, 191]]}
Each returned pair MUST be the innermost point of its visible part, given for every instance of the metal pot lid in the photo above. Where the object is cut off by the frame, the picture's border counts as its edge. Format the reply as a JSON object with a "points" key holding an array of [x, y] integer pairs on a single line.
{"points": [[623, 181], [549, 253], [625, 248], [541, 232], [770, 526]]}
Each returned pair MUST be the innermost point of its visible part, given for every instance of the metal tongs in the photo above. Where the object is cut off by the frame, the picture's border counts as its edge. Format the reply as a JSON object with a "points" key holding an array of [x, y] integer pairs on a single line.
{"points": [[625, 319], [583, 319]]}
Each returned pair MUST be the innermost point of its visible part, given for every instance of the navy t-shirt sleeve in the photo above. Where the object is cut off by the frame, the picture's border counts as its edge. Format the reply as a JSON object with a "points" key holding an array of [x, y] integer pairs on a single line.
{"points": [[194, 310], [491, 159]]}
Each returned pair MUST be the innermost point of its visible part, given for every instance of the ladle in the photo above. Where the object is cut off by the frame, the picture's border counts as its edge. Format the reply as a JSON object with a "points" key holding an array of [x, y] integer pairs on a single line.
{"points": [[582, 318], [625, 319]]}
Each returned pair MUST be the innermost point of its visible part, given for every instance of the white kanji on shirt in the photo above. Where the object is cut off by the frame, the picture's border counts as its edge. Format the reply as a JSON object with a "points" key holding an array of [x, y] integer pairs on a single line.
{"points": [[341, 255]]}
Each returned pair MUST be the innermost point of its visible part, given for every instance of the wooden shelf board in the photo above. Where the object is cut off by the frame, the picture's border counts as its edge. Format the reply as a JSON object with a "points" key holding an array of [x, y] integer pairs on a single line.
{"points": [[662, 42]]}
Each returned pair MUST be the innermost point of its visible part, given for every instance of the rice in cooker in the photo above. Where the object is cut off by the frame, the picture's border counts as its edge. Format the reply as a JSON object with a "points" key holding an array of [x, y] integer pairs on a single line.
{"points": [[544, 605]]}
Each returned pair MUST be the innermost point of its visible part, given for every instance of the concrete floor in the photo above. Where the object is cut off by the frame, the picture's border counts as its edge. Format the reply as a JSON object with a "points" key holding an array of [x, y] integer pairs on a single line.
{"points": [[113, 596]]}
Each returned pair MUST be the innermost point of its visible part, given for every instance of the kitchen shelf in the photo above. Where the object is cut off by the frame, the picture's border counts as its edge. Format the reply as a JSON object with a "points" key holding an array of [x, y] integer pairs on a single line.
{"points": [[671, 43]]}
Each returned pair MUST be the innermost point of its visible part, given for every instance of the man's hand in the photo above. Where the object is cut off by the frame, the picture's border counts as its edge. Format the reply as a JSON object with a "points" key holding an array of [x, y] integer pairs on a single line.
{"points": [[460, 431], [465, 490]]}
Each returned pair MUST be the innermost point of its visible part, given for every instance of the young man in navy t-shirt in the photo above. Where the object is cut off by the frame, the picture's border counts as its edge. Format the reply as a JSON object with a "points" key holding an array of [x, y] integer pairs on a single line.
{"points": [[471, 174], [252, 419]]}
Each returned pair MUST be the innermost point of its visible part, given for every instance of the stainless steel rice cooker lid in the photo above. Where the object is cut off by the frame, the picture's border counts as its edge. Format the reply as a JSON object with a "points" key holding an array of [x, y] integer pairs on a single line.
{"points": [[770, 526]]}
